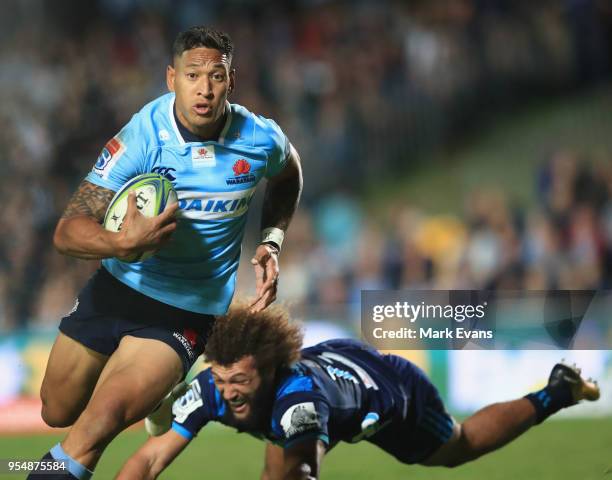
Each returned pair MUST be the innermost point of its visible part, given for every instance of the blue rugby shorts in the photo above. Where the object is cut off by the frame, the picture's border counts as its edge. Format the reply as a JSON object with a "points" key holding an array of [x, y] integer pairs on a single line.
{"points": [[106, 310]]}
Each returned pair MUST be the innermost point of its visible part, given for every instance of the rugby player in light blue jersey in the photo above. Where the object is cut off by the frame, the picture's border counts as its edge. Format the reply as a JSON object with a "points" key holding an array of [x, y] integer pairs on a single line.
{"points": [[304, 402], [137, 328]]}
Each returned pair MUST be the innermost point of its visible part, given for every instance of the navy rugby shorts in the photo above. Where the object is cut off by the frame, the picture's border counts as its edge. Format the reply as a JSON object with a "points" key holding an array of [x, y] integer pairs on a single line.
{"points": [[106, 310], [416, 434]]}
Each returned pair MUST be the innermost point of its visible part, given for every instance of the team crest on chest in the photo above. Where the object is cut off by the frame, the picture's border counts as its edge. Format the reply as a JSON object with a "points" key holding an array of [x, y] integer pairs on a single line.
{"points": [[242, 173]]}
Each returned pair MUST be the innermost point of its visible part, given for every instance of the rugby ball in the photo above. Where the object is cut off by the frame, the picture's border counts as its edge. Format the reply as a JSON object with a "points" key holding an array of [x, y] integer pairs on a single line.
{"points": [[153, 194]]}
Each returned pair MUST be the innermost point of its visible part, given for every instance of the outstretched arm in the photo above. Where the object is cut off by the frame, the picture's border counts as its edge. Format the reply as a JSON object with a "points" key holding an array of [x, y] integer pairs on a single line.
{"points": [[280, 202], [303, 460], [153, 457], [273, 463], [80, 233]]}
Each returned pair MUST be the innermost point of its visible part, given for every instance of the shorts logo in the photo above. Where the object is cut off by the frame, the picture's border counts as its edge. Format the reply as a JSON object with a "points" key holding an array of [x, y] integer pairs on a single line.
{"points": [[300, 418], [185, 343], [109, 155], [191, 336], [241, 170], [74, 308]]}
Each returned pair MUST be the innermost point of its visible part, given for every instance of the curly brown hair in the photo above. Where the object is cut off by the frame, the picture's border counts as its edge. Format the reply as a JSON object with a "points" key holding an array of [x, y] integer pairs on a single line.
{"points": [[268, 335]]}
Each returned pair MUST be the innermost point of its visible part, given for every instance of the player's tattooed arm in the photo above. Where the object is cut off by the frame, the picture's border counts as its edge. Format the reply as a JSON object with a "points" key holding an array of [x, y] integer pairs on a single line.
{"points": [[283, 194], [89, 200], [280, 202], [79, 233]]}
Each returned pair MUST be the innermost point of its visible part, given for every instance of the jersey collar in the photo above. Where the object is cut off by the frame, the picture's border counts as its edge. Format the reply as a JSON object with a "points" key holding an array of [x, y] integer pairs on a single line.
{"points": [[183, 135]]}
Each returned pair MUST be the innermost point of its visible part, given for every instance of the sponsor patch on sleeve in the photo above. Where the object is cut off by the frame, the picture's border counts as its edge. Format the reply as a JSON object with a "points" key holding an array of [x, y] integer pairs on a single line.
{"points": [[188, 403], [300, 418], [112, 151]]}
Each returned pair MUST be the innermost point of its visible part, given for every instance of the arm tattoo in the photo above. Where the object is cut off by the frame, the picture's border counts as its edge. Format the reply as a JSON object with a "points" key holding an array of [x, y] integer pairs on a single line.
{"points": [[281, 199], [90, 200], [280, 203]]}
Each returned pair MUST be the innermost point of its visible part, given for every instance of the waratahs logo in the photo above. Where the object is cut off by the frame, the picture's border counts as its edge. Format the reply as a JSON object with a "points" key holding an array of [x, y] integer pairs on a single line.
{"points": [[242, 169]]}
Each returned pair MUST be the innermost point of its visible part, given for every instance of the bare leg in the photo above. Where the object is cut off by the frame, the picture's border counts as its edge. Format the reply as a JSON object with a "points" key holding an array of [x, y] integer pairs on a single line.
{"points": [[71, 375], [137, 376], [496, 425], [487, 430]]}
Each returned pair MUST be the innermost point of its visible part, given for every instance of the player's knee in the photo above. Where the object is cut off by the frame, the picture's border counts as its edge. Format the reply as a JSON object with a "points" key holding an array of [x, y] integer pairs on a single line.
{"points": [[56, 417], [454, 462], [449, 460], [55, 414], [462, 453], [454, 453]]}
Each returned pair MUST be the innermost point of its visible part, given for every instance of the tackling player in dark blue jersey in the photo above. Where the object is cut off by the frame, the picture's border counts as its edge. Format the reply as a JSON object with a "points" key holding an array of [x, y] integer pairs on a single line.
{"points": [[305, 402]]}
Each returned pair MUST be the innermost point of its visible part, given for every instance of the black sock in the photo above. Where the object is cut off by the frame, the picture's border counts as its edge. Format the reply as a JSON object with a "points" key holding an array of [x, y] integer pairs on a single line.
{"points": [[49, 474], [58, 465], [550, 400]]}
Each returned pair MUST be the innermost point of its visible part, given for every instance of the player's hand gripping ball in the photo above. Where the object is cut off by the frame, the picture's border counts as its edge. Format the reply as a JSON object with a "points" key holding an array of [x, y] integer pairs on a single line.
{"points": [[154, 194]]}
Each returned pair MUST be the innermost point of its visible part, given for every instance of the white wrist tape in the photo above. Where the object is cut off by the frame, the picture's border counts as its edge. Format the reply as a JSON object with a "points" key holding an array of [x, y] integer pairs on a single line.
{"points": [[273, 235]]}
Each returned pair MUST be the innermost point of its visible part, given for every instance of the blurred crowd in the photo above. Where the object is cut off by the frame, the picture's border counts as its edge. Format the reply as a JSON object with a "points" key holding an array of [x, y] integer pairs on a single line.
{"points": [[563, 242], [360, 87]]}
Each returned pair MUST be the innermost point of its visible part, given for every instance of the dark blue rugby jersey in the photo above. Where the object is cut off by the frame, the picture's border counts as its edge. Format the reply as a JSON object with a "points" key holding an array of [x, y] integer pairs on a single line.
{"points": [[341, 390]]}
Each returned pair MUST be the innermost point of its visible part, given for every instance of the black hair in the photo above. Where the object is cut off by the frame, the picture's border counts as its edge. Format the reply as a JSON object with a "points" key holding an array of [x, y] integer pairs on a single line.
{"points": [[201, 36]]}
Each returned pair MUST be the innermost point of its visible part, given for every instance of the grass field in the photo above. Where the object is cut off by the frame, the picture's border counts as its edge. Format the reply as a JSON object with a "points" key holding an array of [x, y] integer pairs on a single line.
{"points": [[559, 450]]}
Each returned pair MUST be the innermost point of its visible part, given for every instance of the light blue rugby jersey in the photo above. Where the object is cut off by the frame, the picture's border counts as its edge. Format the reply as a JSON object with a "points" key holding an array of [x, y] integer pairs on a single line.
{"points": [[214, 180]]}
